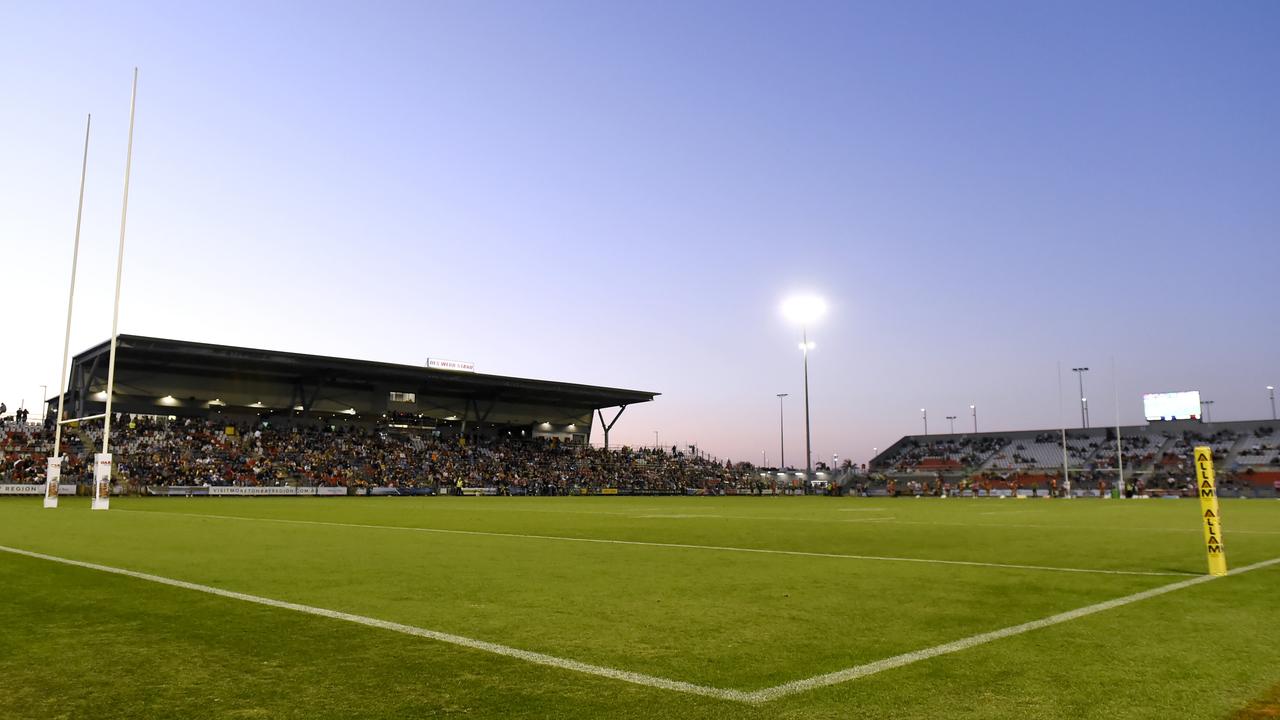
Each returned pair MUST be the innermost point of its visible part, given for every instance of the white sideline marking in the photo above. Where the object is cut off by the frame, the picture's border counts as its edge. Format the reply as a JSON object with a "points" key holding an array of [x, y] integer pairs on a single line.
{"points": [[1098, 528], [495, 648], [859, 671], [682, 546], [755, 697], [788, 518], [677, 516]]}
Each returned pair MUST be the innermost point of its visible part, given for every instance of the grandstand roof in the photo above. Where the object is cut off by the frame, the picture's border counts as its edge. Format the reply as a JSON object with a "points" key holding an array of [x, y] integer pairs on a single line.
{"points": [[148, 366]]}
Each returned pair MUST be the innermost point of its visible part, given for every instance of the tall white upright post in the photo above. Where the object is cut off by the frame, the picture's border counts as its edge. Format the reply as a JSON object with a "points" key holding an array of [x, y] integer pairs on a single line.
{"points": [[53, 474], [1115, 391], [1066, 476], [102, 463]]}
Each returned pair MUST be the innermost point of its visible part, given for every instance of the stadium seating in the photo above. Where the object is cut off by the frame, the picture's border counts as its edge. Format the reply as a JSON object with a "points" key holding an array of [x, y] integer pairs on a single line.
{"points": [[159, 452], [1157, 456]]}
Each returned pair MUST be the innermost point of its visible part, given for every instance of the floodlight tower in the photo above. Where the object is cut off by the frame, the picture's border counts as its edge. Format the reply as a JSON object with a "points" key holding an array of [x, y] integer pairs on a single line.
{"points": [[974, 409], [924, 415], [782, 437], [1271, 389], [804, 310], [1084, 404], [952, 418]]}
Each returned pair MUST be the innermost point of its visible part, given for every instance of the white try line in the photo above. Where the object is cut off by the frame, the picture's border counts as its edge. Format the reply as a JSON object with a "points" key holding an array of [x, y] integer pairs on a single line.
{"points": [[678, 546], [891, 520], [495, 648], [753, 697], [859, 671], [1095, 528]]}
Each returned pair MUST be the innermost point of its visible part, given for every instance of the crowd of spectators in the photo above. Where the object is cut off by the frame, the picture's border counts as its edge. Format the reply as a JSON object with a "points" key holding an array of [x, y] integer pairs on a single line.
{"points": [[194, 452], [964, 451]]}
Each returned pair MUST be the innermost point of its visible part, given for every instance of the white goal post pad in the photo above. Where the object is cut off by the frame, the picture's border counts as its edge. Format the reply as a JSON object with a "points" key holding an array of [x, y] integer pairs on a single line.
{"points": [[101, 481], [52, 476]]}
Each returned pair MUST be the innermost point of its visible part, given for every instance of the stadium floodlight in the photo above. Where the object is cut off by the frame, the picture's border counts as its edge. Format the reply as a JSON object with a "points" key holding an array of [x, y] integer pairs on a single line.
{"points": [[782, 437], [924, 415], [974, 409], [804, 310], [952, 418], [1271, 389], [1084, 406]]}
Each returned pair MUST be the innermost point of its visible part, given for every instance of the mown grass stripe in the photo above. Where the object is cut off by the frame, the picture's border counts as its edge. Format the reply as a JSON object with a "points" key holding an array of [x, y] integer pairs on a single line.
{"points": [[860, 671], [679, 546], [459, 640]]}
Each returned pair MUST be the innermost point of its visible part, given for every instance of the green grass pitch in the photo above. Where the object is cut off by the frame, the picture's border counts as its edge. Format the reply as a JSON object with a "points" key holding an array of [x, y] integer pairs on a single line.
{"points": [[679, 600]]}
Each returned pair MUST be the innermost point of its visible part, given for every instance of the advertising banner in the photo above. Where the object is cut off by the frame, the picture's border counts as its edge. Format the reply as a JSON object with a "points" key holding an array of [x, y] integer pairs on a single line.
{"points": [[1209, 511], [252, 490], [101, 482], [52, 475]]}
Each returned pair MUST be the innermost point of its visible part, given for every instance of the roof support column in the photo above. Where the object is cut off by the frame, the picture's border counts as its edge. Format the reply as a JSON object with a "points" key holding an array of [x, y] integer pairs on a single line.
{"points": [[607, 426]]}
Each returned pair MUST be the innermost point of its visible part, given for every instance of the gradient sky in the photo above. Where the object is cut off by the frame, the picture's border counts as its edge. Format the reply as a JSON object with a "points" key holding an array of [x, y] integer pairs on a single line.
{"points": [[622, 194]]}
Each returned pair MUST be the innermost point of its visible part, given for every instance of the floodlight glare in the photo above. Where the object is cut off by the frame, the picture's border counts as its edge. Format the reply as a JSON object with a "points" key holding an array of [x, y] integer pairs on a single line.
{"points": [[804, 309]]}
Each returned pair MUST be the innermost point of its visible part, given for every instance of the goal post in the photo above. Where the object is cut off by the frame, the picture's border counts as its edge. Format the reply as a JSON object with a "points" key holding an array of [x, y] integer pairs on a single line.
{"points": [[102, 461], [53, 474]]}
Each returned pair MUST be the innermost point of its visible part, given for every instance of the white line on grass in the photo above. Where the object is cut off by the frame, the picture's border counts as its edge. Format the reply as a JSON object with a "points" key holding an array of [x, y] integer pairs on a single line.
{"points": [[681, 546], [1097, 528], [754, 697], [859, 671], [787, 518], [495, 648]]}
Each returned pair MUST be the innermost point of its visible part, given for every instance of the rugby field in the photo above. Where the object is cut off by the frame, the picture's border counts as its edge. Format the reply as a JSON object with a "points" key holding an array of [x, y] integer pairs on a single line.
{"points": [[616, 607]]}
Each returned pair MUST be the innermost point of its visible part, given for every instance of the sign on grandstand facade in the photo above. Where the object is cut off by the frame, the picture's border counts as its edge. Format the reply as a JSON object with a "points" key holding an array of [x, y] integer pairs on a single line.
{"points": [[459, 365]]}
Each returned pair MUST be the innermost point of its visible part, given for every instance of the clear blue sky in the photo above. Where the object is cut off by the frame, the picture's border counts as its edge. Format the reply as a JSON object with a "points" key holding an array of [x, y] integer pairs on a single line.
{"points": [[623, 193]]}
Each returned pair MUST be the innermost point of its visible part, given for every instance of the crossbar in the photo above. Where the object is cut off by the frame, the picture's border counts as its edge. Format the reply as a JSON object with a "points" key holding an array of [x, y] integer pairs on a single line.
{"points": [[68, 421]]}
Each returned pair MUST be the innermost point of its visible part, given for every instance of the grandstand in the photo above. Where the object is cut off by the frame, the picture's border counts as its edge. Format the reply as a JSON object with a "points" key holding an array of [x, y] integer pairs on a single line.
{"points": [[194, 456], [162, 377], [196, 418], [1156, 458]]}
